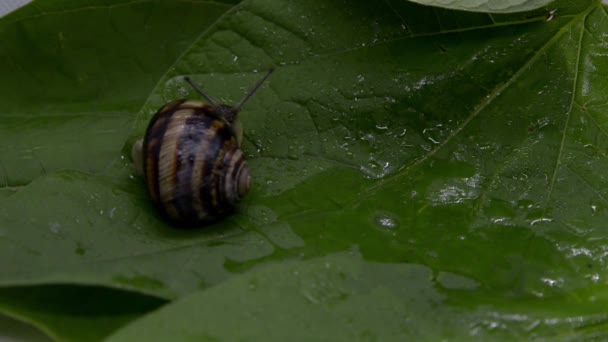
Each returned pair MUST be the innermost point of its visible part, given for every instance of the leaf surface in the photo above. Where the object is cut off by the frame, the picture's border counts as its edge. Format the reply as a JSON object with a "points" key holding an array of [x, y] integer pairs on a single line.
{"points": [[74, 74], [467, 144], [489, 6], [343, 298], [75, 313]]}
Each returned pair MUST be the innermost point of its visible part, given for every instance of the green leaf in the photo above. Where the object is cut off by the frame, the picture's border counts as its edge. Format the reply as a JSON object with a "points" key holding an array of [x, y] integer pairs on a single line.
{"points": [[15, 330], [469, 144], [74, 74], [112, 240], [72, 313], [489, 6], [344, 298]]}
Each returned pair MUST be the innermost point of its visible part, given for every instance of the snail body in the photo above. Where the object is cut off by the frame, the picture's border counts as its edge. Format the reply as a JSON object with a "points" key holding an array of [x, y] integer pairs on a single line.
{"points": [[191, 160]]}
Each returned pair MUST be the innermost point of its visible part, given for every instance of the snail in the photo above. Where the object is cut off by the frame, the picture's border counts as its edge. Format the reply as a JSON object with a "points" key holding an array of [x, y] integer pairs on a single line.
{"points": [[191, 160]]}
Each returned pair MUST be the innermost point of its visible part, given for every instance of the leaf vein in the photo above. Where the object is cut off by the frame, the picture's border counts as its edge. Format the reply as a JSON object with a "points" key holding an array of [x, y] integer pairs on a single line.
{"points": [[495, 93], [570, 109]]}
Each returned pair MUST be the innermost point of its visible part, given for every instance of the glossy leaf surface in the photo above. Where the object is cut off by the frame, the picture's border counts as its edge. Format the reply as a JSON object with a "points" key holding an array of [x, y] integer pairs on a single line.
{"points": [[342, 298], [465, 144]]}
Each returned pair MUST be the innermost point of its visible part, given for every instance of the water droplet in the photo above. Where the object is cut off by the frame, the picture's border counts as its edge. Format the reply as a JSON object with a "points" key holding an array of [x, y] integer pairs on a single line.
{"points": [[376, 169], [551, 282], [499, 220], [595, 209], [386, 221], [540, 220]]}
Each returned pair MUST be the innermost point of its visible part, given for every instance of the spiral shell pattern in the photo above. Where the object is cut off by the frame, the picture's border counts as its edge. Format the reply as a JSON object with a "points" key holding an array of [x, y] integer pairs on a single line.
{"points": [[194, 169]]}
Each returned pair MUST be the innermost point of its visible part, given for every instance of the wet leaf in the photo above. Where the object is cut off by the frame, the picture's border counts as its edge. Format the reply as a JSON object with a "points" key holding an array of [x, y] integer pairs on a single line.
{"points": [[343, 298], [468, 145], [73, 76]]}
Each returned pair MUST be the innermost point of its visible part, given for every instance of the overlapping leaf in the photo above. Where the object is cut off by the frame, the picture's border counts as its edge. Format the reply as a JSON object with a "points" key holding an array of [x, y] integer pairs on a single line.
{"points": [[75, 313], [490, 6], [342, 298]]}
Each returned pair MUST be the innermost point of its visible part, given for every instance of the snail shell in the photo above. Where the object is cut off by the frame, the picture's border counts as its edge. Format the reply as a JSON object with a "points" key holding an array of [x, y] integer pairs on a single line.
{"points": [[191, 159], [193, 166]]}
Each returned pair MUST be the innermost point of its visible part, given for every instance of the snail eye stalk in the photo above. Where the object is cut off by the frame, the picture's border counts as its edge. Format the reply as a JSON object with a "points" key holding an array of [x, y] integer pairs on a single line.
{"points": [[210, 99], [253, 89]]}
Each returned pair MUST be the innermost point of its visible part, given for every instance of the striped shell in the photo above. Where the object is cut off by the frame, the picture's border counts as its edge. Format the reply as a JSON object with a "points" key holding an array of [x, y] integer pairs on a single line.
{"points": [[193, 167]]}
